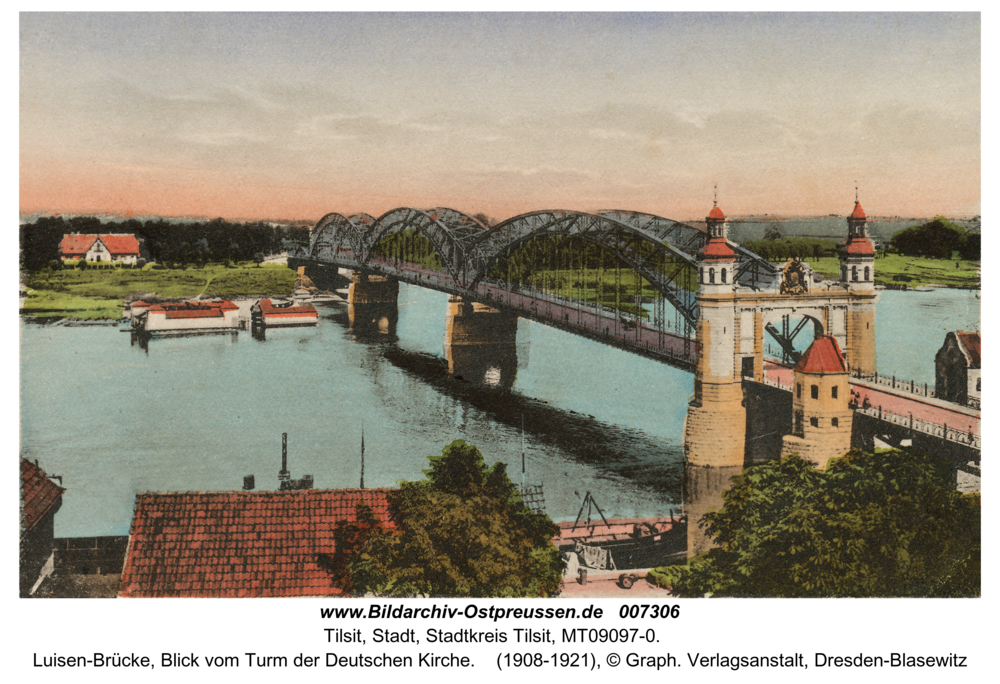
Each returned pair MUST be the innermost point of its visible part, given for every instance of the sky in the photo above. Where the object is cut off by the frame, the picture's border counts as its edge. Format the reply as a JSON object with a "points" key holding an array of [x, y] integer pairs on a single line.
{"points": [[292, 116]]}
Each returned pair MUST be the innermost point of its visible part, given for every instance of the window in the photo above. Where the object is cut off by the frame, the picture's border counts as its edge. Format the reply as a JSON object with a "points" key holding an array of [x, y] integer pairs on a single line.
{"points": [[979, 384], [843, 272], [798, 390], [835, 422], [854, 273], [814, 390], [866, 274], [711, 275], [701, 275], [814, 422], [723, 275], [798, 422], [833, 391]]}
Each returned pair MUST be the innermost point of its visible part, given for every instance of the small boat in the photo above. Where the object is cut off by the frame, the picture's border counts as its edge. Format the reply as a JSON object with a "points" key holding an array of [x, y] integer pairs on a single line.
{"points": [[645, 545]]}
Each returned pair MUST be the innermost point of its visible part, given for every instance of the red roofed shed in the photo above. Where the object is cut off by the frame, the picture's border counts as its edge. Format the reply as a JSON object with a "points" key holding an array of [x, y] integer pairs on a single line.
{"points": [[238, 544]]}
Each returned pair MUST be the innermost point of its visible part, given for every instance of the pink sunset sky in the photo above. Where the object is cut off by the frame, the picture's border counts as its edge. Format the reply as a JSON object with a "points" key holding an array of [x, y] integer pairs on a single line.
{"points": [[292, 116]]}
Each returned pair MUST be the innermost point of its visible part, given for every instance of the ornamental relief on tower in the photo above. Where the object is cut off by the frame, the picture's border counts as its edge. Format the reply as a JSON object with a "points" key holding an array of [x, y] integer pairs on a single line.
{"points": [[793, 278]]}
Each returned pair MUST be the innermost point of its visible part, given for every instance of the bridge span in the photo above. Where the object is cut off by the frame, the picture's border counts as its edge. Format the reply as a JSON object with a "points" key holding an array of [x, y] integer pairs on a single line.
{"points": [[713, 303], [605, 324]]}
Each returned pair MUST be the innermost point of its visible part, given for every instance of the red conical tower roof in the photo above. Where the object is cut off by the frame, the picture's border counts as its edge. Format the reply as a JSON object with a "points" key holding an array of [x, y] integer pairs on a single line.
{"points": [[717, 214], [822, 356], [858, 213]]}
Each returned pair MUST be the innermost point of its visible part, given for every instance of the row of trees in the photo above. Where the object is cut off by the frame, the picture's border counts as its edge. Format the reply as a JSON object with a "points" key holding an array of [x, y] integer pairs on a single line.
{"points": [[782, 249], [187, 242], [870, 524], [939, 239]]}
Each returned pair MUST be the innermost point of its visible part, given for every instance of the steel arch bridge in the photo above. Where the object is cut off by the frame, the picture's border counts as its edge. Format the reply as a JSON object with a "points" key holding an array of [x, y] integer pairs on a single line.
{"points": [[660, 250]]}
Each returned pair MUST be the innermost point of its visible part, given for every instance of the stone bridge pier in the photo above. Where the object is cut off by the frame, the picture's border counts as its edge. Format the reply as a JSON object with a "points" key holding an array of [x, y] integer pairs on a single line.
{"points": [[480, 343], [372, 305]]}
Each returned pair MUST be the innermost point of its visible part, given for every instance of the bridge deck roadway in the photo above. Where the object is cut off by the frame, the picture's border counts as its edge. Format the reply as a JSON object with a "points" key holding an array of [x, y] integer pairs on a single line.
{"points": [[898, 402], [584, 319]]}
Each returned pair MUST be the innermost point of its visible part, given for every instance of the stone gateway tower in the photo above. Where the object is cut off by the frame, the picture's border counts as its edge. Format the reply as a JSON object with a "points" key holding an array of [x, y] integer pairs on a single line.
{"points": [[822, 419], [715, 429]]}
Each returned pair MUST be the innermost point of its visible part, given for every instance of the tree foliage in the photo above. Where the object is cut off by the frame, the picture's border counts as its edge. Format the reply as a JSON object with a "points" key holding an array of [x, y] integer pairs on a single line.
{"points": [[777, 248], [937, 238], [882, 524], [462, 531]]}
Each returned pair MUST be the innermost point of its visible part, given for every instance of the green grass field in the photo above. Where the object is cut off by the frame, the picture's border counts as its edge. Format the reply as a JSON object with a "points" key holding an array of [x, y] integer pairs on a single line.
{"points": [[99, 294], [893, 269]]}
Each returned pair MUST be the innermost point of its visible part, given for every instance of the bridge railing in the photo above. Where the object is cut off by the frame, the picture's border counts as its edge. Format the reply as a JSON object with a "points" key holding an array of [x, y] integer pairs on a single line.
{"points": [[768, 381], [966, 437], [921, 390], [909, 386]]}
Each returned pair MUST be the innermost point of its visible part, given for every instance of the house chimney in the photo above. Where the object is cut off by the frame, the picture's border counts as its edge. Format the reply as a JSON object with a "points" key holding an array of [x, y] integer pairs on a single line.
{"points": [[283, 475], [248, 483]]}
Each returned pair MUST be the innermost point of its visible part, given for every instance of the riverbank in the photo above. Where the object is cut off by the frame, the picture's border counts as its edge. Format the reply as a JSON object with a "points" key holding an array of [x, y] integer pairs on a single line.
{"points": [[908, 272], [98, 294]]}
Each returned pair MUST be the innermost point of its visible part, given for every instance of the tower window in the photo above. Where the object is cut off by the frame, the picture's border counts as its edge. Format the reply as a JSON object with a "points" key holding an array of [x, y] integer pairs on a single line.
{"points": [[711, 275], [835, 422], [843, 272], [814, 422], [833, 391], [798, 423], [798, 390], [854, 273], [814, 389], [701, 275], [866, 274], [723, 275]]}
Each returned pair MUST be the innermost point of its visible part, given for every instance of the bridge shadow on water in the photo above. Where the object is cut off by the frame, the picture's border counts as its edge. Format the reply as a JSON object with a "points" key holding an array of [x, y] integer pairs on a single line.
{"points": [[612, 450]]}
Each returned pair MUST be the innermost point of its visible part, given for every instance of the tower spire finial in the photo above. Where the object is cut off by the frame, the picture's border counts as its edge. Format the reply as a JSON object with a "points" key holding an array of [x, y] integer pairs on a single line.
{"points": [[855, 192], [715, 196]]}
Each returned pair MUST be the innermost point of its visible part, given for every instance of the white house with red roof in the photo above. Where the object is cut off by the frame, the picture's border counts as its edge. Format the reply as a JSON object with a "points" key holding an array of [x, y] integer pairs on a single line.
{"points": [[123, 247]]}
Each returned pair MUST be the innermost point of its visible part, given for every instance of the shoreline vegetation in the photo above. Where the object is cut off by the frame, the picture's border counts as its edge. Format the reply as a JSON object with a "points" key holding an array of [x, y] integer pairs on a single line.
{"points": [[99, 293]]}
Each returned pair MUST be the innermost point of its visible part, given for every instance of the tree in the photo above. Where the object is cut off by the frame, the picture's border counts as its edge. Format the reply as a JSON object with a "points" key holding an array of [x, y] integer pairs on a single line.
{"points": [[937, 238], [882, 524], [462, 531]]}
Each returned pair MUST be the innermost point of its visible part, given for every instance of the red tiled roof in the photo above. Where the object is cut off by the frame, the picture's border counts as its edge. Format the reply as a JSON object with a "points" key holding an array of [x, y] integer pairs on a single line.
{"points": [[124, 244], [859, 245], [38, 494], [971, 342], [238, 544], [78, 244], [822, 356], [269, 309], [194, 313], [191, 309], [717, 249], [716, 213], [858, 212]]}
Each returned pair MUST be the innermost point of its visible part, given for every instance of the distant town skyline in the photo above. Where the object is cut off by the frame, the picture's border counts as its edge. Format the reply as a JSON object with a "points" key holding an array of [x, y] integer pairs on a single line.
{"points": [[292, 116]]}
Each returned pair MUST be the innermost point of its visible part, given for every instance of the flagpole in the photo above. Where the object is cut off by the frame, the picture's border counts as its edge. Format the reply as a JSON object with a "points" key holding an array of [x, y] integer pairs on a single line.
{"points": [[362, 454]]}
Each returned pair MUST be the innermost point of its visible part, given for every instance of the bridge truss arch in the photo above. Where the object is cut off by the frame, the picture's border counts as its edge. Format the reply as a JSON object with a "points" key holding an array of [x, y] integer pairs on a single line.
{"points": [[621, 233], [662, 251]]}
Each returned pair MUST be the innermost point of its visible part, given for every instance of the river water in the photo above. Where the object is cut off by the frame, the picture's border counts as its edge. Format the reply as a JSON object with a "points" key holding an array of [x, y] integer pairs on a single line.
{"points": [[198, 413]]}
